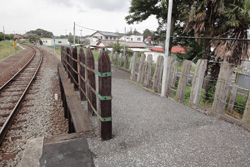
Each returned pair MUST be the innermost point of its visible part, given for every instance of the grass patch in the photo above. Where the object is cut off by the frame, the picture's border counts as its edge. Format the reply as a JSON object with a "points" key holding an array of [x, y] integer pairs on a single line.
{"points": [[7, 49]]}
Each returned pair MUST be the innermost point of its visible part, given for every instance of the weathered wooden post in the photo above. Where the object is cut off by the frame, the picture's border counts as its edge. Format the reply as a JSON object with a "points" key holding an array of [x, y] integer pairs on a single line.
{"points": [[133, 67], [112, 55], [148, 70], [71, 65], [169, 77], [62, 47], [131, 62], [158, 73], [175, 73], [75, 69], [120, 59], [104, 68], [68, 61], [180, 93], [82, 74], [141, 69], [246, 115], [126, 61], [197, 82], [90, 63], [115, 58], [233, 97], [222, 87]]}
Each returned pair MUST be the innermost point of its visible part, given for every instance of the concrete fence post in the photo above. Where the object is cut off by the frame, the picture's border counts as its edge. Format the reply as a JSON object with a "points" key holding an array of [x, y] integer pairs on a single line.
{"points": [[197, 82], [120, 59], [133, 67], [169, 77], [126, 61], [233, 97], [158, 73], [222, 87], [186, 67], [141, 69], [148, 70]]}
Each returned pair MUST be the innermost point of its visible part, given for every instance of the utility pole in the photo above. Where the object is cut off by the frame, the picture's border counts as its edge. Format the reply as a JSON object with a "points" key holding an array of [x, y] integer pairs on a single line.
{"points": [[124, 42], [170, 5], [81, 36], [74, 38], [4, 35]]}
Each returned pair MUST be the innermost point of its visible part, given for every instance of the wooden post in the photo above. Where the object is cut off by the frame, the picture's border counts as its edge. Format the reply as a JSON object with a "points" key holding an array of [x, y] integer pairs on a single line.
{"points": [[141, 69], [171, 61], [82, 74], [148, 70], [246, 115], [74, 62], [115, 58], [90, 62], [68, 61], [186, 67], [131, 62], [158, 73], [120, 59], [222, 87], [126, 61], [71, 65], [175, 73], [197, 82], [133, 67], [233, 97], [104, 65]]}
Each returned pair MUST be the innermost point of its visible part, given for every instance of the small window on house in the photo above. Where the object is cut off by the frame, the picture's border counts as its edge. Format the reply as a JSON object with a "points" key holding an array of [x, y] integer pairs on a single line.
{"points": [[107, 37], [59, 41], [138, 39]]}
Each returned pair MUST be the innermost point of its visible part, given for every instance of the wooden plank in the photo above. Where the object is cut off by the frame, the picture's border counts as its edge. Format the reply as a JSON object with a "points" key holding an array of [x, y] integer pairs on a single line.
{"points": [[120, 59], [233, 97], [131, 62], [169, 77], [68, 62], [186, 67], [104, 65], [197, 81], [141, 69], [80, 120], [126, 61], [74, 63], [133, 67], [222, 87], [158, 74], [82, 74], [148, 70], [90, 62], [174, 77]]}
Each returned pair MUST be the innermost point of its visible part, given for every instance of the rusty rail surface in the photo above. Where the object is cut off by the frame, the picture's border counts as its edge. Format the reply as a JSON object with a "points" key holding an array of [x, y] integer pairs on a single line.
{"points": [[9, 120]]}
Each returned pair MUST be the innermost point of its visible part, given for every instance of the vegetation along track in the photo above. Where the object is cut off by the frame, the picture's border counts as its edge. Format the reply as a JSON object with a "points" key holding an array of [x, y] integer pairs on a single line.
{"points": [[13, 91]]}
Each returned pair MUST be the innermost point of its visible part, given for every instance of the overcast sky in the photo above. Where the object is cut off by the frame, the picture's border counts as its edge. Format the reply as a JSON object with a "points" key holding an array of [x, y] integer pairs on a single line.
{"points": [[58, 16]]}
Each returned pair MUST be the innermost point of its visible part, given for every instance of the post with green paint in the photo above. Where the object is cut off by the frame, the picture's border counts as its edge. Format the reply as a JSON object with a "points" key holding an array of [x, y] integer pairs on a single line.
{"points": [[104, 68]]}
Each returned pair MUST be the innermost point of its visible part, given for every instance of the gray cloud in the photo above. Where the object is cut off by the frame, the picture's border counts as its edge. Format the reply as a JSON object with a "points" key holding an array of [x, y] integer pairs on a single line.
{"points": [[107, 5], [67, 3]]}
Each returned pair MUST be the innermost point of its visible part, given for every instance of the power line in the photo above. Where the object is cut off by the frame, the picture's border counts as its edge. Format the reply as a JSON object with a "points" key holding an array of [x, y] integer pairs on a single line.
{"points": [[86, 28], [211, 38]]}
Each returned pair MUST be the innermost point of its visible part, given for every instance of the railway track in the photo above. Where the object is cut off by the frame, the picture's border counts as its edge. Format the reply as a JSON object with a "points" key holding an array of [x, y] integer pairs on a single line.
{"points": [[12, 93]]}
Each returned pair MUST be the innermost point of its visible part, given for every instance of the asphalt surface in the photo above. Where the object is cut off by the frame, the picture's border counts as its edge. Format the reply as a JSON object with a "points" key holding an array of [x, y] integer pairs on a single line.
{"points": [[153, 131]]}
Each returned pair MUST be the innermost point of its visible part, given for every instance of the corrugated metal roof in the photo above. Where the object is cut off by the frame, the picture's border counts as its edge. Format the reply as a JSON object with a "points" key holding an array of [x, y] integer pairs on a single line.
{"points": [[129, 44], [105, 33]]}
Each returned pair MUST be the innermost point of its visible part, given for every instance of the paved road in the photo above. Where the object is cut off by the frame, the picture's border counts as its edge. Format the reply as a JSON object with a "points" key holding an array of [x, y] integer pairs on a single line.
{"points": [[153, 131]]}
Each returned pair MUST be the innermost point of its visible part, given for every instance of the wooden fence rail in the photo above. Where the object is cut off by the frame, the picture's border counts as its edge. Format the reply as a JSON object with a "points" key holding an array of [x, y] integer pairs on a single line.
{"points": [[84, 69]]}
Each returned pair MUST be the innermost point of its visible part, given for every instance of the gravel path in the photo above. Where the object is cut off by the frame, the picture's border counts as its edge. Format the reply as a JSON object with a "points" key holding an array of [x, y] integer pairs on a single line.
{"points": [[153, 131]]}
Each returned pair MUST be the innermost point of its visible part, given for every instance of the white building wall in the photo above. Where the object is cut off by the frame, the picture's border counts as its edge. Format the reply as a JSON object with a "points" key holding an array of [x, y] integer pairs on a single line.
{"points": [[154, 55], [58, 41], [136, 38]]}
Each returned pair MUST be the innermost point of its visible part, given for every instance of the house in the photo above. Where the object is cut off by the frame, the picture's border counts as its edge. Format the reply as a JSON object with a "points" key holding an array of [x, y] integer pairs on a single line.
{"points": [[132, 38], [158, 51], [135, 46], [55, 41]]}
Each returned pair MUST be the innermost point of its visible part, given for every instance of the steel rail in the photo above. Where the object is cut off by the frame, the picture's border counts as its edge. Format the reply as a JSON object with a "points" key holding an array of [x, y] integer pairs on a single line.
{"points": [[14, 76], [14, 112]]}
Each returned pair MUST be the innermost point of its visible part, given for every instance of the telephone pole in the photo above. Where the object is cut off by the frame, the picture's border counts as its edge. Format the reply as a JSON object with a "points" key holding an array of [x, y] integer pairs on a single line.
{"points": [[74, 38], [4, 35]]}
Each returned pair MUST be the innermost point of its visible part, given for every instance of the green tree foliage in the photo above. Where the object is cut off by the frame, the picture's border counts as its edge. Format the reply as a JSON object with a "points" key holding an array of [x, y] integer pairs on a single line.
{"points": [[41, 33], [147, 33], [117, 47]]}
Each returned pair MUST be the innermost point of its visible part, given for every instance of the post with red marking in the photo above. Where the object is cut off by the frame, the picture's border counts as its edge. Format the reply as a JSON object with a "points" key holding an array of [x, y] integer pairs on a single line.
{"points": [[104, 69]]}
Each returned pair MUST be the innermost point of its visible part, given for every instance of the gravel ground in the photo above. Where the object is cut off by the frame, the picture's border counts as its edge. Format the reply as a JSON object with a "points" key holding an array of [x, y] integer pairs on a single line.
{"points": [[44, 115], [153, 131]]}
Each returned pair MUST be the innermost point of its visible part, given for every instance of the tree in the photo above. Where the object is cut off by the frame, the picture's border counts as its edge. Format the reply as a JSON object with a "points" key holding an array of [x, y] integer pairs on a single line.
{"points": [[117, 47], [41, 33], [147, 33]]}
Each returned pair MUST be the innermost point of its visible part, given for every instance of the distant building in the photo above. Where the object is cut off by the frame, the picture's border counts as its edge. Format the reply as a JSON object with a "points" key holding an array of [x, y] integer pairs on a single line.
{"points": [[55, 41], [135, 46], [132, 38]]}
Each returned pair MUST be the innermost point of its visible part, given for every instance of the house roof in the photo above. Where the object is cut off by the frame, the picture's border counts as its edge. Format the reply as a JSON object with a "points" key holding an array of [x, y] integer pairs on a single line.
{"points": [[105, 33], [178, 49], [129, 44], [157, 49]]}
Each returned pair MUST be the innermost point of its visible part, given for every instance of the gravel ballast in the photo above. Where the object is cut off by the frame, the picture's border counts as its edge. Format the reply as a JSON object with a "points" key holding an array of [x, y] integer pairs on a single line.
{"points": [[153, 131]]}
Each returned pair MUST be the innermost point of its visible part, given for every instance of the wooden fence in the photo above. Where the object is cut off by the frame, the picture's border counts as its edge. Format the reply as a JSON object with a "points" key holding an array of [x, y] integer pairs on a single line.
{"points": [[149, 75], [81, 71]]}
